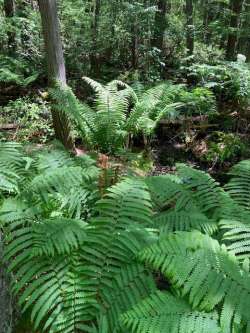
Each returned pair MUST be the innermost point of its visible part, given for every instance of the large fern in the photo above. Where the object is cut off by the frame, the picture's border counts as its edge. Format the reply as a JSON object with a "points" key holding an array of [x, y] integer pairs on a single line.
{"points": [[206, 272], [80, 264], [118, 112]]}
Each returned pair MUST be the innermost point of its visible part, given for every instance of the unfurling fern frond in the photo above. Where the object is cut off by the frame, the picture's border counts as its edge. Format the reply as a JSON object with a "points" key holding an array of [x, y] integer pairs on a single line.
{"points": [[206, 272], [162, 312]]}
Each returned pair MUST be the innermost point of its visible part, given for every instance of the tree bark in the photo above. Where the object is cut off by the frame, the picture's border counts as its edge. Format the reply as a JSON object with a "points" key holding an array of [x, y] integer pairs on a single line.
{"points": [[94, 58], [244, 42], [160, 24], [236, 8], [6, 306], [135, 44], [9, 9], [190, 27], [56, 65]]}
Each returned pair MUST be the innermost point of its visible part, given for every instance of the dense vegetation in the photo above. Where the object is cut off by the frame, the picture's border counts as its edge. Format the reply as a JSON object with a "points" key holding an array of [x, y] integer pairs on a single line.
{"points": [[124, 166]]}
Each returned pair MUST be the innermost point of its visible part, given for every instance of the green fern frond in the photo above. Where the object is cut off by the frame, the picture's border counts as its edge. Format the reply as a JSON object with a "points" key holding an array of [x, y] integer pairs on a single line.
{"points": [[162, 312], [170, 221], [57, 236], [238, 186], [131, 285], [12, 166], [237, 237], [207, 272]]}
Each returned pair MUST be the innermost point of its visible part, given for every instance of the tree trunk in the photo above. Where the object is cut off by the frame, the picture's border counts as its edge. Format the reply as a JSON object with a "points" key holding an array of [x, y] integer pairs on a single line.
{"points": [[160, 24], [190, 27], [55, 63], [94, 58], [208, 17], [244, 42], [6, 306], [235, 7], [9, 9], [135, 45]]}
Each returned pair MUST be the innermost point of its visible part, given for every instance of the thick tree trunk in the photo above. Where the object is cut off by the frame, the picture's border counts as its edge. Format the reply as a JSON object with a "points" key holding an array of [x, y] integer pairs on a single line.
{"points": [[94, 58], [190, 27], [9, 9], [235, 7], [6, 306], [55, 63], [160, 24]]}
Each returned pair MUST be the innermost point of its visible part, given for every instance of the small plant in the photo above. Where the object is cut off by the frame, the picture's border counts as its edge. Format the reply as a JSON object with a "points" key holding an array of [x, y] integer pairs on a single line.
{"points": [[229, 81], [14, 71], [222, 147], [31, 119]]}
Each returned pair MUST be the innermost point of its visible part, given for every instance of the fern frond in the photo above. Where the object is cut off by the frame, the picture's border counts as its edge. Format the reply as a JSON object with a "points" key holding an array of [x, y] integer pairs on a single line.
{"points": [[12, 166], [57, 236], [162, 312], [172, 220], [237, 237], [207, 272], [238, 186], [131, 285]]}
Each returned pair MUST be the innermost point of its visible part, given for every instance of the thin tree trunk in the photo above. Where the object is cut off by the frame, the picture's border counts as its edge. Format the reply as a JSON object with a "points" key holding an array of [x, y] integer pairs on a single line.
{"points": [[190, 27], [6, 306], [160, 24], [94, 58], [236, 7], [9, 9], [208, 17], [55, 63], [244, 41], [135, 45]]}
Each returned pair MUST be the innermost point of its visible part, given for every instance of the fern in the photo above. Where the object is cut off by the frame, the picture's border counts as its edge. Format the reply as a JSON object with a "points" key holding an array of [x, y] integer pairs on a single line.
{"points": [[237, 237], [118, 112], [210, 275], [162, 312], [186, 201], [12, 166], [238, 186]]}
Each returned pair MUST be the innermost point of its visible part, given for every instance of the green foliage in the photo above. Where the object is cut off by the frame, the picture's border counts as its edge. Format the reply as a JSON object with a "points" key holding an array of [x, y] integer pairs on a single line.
{"points": [[229, 81], [15, 71], [82, 259], [223, 147], [120, 112], [210, 275], [163, 312], [31, 117]]}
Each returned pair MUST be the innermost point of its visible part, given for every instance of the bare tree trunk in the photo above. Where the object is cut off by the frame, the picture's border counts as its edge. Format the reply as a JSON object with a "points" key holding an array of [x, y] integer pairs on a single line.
{"points": [[160, 24], [135, 45], [190, 27], [244, 41], [9, 9], [236, 7], [94, 58], [6, 306], [55, 63]]}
